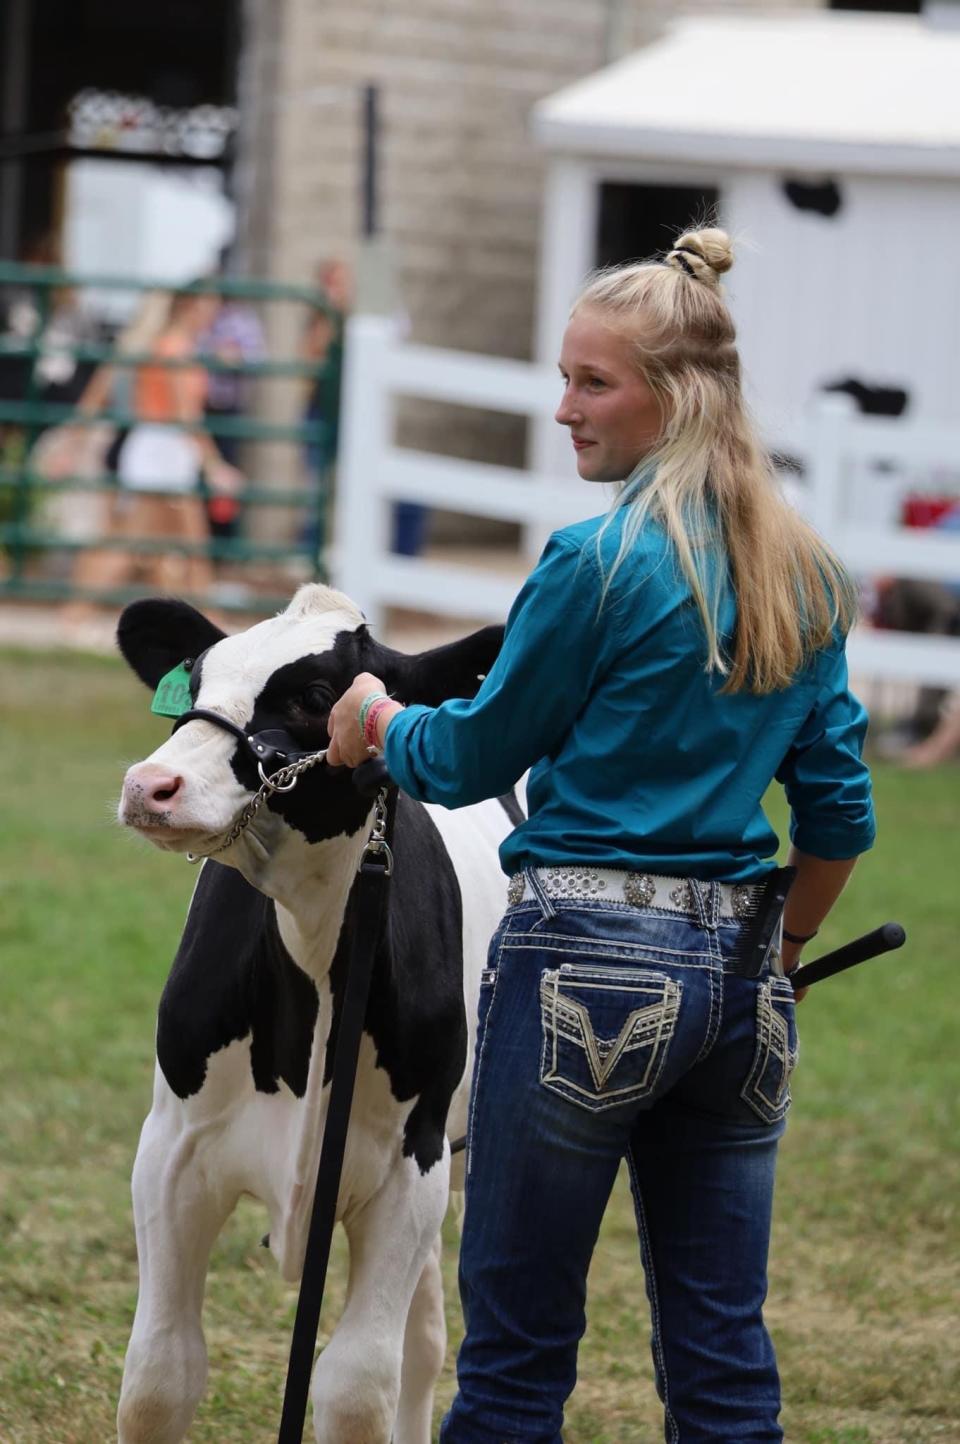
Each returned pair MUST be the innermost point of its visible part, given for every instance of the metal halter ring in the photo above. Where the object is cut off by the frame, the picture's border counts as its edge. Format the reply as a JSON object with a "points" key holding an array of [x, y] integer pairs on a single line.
{"points": [[276, 786]]}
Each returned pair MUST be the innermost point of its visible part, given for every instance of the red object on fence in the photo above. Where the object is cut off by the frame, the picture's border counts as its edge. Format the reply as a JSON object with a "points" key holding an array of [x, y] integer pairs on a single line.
{"points": [[223, 508], [926, 510]]}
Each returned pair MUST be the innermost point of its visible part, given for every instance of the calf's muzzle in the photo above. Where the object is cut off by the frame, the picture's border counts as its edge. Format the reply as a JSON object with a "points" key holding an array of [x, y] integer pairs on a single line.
{"points": [[150, 790]]}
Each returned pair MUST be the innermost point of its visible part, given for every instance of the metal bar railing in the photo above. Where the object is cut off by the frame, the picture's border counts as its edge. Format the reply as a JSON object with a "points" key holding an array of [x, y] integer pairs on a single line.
{"points": [[35, 348], [232, 549], [25, 417], [252, 495], [37, 416], [12, 273]]}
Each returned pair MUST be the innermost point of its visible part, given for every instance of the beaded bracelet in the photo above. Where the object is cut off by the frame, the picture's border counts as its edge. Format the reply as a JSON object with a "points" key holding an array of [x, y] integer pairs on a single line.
{"points": [[365, 706], [370, 722]]}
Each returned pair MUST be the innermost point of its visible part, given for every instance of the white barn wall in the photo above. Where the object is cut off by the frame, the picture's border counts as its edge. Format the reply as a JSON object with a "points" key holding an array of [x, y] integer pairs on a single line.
{"points": [[871, 293]]}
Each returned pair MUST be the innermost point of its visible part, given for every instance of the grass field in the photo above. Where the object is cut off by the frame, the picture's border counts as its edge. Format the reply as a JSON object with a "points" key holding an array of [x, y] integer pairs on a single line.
{"points": [[865, 1267]]}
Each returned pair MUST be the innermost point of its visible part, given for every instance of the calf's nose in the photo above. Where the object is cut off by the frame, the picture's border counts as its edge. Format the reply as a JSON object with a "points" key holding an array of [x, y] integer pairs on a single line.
{"points": [[150, 787]]}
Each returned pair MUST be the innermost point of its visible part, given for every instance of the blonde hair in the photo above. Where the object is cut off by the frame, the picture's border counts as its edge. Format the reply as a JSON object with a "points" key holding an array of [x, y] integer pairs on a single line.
{"points": [[709, 480]]}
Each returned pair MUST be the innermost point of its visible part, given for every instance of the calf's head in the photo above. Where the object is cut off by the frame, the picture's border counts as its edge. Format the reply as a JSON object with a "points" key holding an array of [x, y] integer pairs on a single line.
{"points": [[280, 676]]}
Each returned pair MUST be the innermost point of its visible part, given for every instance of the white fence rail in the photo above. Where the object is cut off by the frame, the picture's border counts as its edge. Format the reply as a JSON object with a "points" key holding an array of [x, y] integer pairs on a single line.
{"points": [[374, 472], [836, 445]]}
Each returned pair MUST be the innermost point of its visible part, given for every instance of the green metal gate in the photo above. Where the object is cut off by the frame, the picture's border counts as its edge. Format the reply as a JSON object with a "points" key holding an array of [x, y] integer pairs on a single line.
{"points": [[33, 555]]}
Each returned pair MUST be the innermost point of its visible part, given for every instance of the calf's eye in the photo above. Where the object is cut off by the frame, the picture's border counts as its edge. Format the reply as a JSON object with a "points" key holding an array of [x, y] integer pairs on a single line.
{"points": [[317, 697]]}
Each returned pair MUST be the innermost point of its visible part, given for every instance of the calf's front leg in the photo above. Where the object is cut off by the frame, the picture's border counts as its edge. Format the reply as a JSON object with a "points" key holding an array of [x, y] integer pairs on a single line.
{"points": [[424, 1350], [357, 1379], [178, 1212]]}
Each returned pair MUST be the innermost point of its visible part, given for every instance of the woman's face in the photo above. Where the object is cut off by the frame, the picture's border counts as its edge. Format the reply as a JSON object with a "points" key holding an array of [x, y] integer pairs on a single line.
{"points": [[613, 416]]}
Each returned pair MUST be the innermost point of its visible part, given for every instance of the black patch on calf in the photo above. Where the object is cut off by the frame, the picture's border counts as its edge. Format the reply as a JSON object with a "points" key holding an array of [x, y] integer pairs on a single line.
{"points": [[324, 803], [233, 977], [415, 1014]]}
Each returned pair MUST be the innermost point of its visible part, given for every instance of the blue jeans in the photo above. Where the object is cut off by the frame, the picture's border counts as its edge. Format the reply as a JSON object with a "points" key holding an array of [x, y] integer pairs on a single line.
{"points": [[608, 1031]]}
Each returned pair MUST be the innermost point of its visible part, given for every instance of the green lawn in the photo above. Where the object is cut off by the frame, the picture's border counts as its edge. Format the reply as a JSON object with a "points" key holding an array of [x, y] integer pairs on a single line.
{"points": [[865, 1261]]}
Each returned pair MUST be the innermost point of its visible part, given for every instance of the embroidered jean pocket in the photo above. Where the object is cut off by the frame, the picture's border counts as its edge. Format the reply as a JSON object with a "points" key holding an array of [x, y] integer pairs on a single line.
{"points": [[767, 1089], [606, 1032]]}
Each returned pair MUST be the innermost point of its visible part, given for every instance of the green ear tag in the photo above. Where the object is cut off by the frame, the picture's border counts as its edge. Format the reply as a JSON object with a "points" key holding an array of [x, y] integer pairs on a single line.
{"points": [[172, 696]]}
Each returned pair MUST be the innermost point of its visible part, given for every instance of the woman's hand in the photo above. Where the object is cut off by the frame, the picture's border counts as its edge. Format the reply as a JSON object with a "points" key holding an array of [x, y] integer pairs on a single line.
{"points": [[222, 478], [347, 747]]}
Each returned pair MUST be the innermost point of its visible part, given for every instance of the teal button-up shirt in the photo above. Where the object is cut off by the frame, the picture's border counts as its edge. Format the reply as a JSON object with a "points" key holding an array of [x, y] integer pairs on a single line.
{"points": [[637, 759]]}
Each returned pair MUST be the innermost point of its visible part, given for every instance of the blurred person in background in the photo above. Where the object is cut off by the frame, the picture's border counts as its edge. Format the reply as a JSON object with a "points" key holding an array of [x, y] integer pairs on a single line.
{"points": [[943, 743], [54, 317], [111, 387], [234, 335], [322, 345], [322, 348], [923, 605], [88, 449], [165, 451]]}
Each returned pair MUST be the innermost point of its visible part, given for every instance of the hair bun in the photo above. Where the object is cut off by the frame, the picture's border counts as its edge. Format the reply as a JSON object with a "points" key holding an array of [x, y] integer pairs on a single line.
{"points": [[706, 254]]}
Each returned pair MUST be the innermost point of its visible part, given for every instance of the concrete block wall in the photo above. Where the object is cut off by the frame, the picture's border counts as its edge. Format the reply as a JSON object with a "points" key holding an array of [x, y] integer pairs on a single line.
{"points": [[460, 177]]}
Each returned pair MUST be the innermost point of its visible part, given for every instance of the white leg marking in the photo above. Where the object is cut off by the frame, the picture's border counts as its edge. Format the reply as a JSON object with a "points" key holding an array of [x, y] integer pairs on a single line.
{"points": [[178, 1211], [424, 1350], [356, 1382]]}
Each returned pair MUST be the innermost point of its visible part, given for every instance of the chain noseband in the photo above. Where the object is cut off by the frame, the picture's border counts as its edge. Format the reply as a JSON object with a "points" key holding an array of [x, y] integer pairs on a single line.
{"points": [[264, 750]]}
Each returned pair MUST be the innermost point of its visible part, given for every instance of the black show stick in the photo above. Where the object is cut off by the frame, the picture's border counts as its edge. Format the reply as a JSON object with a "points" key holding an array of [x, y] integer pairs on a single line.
{"points": [[882, 940]]}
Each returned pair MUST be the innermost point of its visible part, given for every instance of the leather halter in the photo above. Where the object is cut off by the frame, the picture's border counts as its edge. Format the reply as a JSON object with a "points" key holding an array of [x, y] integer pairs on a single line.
{"points": [[269, 750]]}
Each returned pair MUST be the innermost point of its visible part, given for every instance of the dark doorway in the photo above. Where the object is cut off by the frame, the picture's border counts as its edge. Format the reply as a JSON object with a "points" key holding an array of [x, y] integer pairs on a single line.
{"points": [[897, 7], [637, 221], [180, 54]]}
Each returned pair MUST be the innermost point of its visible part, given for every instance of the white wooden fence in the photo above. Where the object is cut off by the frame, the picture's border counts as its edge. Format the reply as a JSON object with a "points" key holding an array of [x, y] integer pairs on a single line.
{"points": [[837, 444]]}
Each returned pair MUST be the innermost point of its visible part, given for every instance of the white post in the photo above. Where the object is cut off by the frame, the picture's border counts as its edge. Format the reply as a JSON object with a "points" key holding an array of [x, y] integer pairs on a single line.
{"points": [[568, 231], [829, 421], [366, 430]]}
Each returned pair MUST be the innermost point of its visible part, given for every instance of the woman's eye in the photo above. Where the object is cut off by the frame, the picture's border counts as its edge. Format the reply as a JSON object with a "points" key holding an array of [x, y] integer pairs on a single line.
{"points": [[596, 382]]}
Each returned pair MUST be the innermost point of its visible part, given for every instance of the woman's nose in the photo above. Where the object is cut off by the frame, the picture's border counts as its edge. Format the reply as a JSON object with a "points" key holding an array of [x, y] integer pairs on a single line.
{"points": [[566, 413]]}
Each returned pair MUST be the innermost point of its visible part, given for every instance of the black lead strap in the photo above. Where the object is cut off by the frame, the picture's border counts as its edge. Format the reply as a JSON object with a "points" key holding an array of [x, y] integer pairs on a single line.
{"points": [[371, 899]]}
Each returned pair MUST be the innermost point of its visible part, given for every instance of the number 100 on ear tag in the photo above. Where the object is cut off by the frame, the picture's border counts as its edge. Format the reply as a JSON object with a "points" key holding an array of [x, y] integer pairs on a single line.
{"points": [[172, 697]]}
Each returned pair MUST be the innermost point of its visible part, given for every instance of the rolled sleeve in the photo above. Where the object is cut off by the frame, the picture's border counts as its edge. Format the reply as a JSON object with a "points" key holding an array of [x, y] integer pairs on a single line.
{"points": [[826, 781], [554, 648]]}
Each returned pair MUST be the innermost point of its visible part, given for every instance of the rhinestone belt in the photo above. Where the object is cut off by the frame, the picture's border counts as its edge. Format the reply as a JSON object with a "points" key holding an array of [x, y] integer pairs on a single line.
{"points": [[637, 889]]}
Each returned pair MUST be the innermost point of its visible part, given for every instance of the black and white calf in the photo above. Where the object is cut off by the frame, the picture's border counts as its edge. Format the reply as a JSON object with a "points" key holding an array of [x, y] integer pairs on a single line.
{"points": [[244, 1039]]}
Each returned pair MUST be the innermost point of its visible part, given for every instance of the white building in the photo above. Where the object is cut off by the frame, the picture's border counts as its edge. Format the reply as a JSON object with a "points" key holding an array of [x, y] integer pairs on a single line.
{"points": [[830, 144]]}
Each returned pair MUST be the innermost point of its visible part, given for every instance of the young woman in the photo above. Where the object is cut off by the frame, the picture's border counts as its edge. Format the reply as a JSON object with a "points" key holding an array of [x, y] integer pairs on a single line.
{"points": [[661, 666]]}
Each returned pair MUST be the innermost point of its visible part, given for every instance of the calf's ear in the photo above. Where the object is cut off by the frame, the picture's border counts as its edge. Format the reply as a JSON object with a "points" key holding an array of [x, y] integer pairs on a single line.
{"points": [[158, 633], [454, 670]]}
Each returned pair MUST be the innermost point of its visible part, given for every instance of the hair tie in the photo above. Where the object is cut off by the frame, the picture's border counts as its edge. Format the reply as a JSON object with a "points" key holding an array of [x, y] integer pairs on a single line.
{"points": [[799, 938], [682, 260]]}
